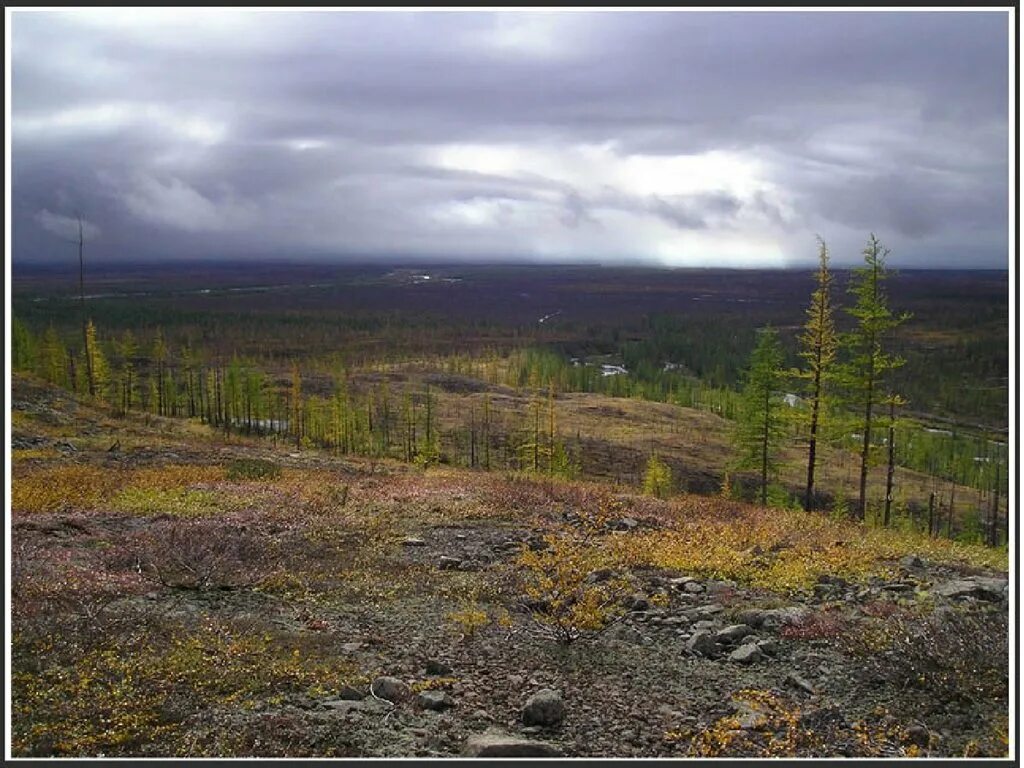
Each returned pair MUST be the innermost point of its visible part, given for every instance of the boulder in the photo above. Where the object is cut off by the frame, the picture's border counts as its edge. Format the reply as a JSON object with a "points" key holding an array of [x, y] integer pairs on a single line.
{"points": [[544, 708], [911, 563], [746, 654], [637, 602], [435, 667], [977, 587], [390, 689], [495, 743], [437, 701], [795, 681], [733, 633], [703, 643]]}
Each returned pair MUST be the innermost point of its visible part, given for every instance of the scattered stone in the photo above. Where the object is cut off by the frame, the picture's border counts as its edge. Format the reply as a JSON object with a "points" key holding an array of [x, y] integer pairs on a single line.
{"points": [[626, 524], [412, 541], [537, 544], [919, 735], [796, 681], [746, 654], [437, 701], [352, 647], [625, 634], [600, 575], [900, 586], [705, 624], [778, 617], [733, 633], [389, 688], [768, 646], [544, 708], [977, 587], [834, 581], [637, 602], [911, 562], [752, 617], [449, 563], [709, 610], [435, 667], [703, 642], [495, 743], [693, 587]]}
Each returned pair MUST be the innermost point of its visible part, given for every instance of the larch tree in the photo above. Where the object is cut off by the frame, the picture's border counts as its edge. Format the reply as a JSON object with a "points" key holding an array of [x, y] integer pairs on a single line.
{"points": [[759, 429], [865, 372], [818, 344]]}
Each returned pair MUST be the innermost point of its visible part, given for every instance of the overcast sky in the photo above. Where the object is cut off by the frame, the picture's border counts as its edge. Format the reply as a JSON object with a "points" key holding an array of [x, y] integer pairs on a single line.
{"points": [[676, 138]]}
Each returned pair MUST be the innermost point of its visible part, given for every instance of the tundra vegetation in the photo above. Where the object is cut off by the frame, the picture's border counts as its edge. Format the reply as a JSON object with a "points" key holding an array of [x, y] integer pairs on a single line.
{"points": [[313, 511]]}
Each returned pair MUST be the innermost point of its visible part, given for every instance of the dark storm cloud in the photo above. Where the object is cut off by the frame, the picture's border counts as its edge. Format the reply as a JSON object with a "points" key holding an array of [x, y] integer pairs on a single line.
{"points": [[679, 137]]}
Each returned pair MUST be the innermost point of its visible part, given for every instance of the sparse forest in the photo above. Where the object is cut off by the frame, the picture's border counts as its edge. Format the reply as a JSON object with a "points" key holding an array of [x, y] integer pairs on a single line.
{"points": [[757, 475]]}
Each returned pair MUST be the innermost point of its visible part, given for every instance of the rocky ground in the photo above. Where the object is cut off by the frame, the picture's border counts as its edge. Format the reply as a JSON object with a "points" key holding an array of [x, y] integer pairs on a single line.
{"points": [[403, 588]]}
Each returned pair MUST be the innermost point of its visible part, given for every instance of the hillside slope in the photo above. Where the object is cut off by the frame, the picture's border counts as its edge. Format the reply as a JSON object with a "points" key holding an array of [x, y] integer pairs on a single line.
{"points": [[180, 593]]}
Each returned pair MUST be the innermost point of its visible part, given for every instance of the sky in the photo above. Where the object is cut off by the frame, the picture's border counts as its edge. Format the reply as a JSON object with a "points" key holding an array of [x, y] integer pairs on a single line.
{"points": [[676, 138]]}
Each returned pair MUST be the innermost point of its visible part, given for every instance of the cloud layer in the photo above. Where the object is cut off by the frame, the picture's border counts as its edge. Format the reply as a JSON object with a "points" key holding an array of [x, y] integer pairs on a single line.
{"points": [[682, 138]]}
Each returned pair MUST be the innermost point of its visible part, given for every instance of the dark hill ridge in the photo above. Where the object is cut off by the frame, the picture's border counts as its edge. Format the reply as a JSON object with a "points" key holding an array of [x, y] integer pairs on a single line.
{"points": [[182, 593]]}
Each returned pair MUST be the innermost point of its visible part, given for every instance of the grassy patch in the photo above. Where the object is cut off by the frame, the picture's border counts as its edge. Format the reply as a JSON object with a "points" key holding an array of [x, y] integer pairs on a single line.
{"points": [[114, 699]]}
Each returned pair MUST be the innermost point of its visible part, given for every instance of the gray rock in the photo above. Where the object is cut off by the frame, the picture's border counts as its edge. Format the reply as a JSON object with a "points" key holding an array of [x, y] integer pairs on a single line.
{"points": [[637, 602], [703, 643], [794, 680], [768, 646], [705, 624], [899, 586], [537, 544], [911, 562], [495, 743], [437, 701], [977, 587], [390, 689], [625, 634], [435, 667], [680, 581], [626, 524], [919, 735], [779, 617], [544, 708], [708, 610], [600, 575], [752, 617], [693, 587], [449, 563], [733, 633], [352, 647], [746, 654], [366, 706]]}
